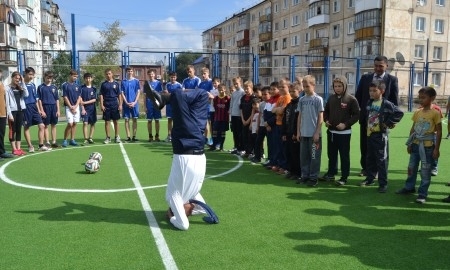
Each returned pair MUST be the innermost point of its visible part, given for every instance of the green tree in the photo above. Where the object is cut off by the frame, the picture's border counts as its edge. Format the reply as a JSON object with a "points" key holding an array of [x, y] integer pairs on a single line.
{"points": [[106, 52], [182, 60], [61, 66]]}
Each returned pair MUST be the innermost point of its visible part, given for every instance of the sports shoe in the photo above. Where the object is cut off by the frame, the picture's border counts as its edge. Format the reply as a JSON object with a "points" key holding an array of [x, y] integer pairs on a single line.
{"points": [[7, 155], [448, 136], [73, 143], [255, 161], [86, 141], [267, 162], [421, 199], [434, 172], [31, 149], [107, 140], [234, 152], [363, 173], [117, 140], [327, 177], [47, 144], [312, 182], [64, 144], [405, 191], [231, 150], [341, 182], [168, 139], [367, 183], [44, 148], [157, 138], [134, 139], [128, 139], [150, 138], [382, 189], [90, 141], [54, 145], [301, 181], [17, 152], [446, 200]]}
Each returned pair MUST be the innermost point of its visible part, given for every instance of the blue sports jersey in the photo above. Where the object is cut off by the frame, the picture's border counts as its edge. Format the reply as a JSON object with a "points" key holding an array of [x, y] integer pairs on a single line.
{"points": [[156, 85], [172, 86], [130, 89], [110, 92], [71, 91], [206, 85], [48, 94], [191, 83], [88, 93], [189, 120], [32, 94]]}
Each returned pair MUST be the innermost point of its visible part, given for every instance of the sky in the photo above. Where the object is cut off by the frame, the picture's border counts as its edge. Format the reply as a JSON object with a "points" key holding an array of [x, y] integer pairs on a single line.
{"points": [[168, 25]]}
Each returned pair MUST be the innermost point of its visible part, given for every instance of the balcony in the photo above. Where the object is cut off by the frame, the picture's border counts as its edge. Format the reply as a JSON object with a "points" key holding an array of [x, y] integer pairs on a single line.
{"points": [[362, 5], [368, 32], [265, 18], [243, 42], [265, 36], [318, 19], [26, 3], [45, 27], [243, 38], [265, 71], [318, 43], [26, 33], [8, 57]]}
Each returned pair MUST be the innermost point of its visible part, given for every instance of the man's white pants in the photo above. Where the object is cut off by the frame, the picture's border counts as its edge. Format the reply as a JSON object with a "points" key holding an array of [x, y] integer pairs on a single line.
{"points": [[185, 181]]}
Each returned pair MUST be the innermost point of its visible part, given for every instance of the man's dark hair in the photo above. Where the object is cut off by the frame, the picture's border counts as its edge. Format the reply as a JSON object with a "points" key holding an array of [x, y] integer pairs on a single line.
{"points": [[381, 58]]}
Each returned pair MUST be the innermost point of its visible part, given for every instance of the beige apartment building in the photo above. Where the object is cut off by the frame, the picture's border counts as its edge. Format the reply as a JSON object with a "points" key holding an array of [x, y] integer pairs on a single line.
{"points": [[328, 38]]}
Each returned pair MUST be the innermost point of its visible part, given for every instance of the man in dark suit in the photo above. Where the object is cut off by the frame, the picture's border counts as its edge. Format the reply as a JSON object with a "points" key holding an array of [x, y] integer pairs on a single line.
{"points": [[362, 95]]}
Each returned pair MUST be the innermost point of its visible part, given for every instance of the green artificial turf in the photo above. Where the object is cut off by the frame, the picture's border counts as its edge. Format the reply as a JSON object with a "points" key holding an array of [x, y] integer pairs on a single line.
{"points": [[266, 220]]}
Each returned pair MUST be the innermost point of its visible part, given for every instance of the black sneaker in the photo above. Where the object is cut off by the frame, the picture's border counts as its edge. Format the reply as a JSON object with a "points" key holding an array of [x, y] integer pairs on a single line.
{"points": [[326, 177], [363, 173], [301, 181], [341, 182], [446, 200], [128, 139], [405, 191], [382, 189], [312, 182], [134, 139], [367, 183]]}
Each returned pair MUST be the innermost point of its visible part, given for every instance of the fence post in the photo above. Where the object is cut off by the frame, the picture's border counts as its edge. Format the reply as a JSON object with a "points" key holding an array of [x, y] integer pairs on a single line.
{"points": [[411, 87], [326, 75], [358, 71], [292, 67], [20, 64], [255, 68]]}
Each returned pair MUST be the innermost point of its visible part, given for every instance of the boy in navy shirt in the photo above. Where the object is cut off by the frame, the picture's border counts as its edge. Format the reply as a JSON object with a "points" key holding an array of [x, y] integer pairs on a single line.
{"points": [[88, 110], [111, 105], [72, 99], [48, 100]]}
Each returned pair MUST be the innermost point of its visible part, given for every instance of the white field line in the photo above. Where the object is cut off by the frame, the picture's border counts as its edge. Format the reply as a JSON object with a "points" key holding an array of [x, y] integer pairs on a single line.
{"points": [[161, 243]]}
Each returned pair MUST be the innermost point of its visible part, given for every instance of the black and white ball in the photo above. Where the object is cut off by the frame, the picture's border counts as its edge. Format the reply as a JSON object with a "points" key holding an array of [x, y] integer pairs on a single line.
{"points": [[92, 166], [97, 156]]}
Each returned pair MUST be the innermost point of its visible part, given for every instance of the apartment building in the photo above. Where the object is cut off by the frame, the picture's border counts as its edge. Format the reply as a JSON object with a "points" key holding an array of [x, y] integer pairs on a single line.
{"points": [[288, 38], [31, 34]]}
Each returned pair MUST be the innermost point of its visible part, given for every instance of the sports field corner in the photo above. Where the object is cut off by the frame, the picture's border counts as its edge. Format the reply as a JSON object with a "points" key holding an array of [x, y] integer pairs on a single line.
{"points": [[56, 216]]}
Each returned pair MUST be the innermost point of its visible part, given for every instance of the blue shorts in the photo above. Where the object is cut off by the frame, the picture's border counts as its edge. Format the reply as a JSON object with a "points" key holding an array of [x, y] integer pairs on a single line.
{"points": [[50, 111], [169, 111], [152, 114], [90, 117], [128, 113], [111, 113], [31, 116]]}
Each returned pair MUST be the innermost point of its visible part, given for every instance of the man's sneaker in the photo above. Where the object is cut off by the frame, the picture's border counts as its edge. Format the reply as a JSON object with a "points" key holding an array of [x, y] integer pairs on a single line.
{"points": [[446, 200], [168, 139], [117, 139], [217, 147], [382, 189], [64, 144], [312, 182], [150, 138], [128, 139], [267, 162], [7, 155], [47, 144], [434, 172], [44, 148], [405, 191], [134, 139], [157, 138], [255, 161], [55, 145], [421, 199], [367, 183], [341, 182], [31, 149], [107, 140], [231, 150], [86, 141], [327, 177], [16, 152], [234, 151], [90, 141], [448, 136], [363, 173], [301, 181], [73, 143]]}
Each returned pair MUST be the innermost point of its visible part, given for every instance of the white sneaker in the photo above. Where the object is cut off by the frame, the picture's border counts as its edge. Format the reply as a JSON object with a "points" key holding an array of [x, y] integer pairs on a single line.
{"points": [[117, 140], [434, 172], [44, 148], [31, 149], [107, 140]]}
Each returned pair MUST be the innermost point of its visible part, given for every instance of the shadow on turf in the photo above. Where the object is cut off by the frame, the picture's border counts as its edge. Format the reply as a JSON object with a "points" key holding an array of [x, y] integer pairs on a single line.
{"points": [[85, 212]]}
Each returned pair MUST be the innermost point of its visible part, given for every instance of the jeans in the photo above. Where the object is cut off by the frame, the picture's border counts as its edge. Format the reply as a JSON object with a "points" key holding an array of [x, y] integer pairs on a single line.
{"points": [[425, 169], [310, 155]]}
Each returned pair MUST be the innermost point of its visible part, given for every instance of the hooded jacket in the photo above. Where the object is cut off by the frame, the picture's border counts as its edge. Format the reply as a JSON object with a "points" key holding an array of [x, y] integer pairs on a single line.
{"points": [[342, 108]]}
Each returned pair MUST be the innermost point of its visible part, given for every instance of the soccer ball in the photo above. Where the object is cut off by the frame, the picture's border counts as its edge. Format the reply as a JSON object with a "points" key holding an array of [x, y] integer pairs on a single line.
{"points": [[92, 166], [97, 156]]}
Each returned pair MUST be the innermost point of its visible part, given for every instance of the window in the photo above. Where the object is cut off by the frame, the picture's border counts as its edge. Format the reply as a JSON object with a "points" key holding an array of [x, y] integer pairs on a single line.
{"points": [[436, 79], [275, 8], [350, 76], [284, 24], [350, 28], [418, 78], [306, 37], [336, 6], [349, 52], [437, 53], [276, 26], [275, 62], [285, 4], [440, 3], [253, 34], [336, 55], [420, 24], [275, 45], [336, 31], [295, 20], [295, 2], [369, 18], [418, 51], [319, 79], [351, 3], [439, 26], [2, 34], [295, 41], [284, 45], [284, 62]]}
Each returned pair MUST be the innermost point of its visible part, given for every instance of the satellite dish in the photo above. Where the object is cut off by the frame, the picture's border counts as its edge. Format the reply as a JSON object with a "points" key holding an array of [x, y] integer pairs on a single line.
{"points": [[421, 3], [400, 58]]}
